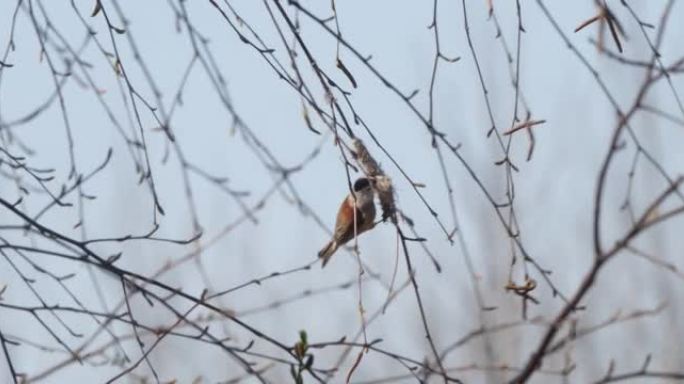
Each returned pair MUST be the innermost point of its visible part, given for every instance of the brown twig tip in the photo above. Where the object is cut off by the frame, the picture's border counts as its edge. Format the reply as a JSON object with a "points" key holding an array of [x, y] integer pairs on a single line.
{"points": [[523, 125], [529, 286], [605, 16], [381, 182], [589, 21]]}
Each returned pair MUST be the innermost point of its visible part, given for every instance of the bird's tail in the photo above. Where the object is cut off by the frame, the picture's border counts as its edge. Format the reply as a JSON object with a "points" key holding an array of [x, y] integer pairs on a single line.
{"points": [[327, 252]]}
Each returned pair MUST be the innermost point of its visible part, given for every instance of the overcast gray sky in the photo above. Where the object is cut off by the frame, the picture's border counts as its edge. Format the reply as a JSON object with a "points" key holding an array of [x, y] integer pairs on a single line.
{"points": [[553, 191]]}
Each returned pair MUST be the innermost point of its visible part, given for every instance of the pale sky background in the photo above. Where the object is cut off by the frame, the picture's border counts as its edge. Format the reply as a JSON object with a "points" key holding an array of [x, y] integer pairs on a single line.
{"points": [[554, 191]]}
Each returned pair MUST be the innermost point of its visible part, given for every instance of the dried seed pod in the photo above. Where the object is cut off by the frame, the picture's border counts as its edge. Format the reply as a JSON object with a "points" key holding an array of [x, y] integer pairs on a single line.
{"points": [[381, 182]]}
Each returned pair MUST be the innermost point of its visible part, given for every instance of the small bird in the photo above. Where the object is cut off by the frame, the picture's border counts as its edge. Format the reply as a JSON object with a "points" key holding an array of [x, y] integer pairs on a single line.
{"points": [[362, 197]]}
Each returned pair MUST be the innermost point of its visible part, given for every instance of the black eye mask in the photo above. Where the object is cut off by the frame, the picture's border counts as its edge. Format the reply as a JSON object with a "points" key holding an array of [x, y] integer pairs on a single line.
{"points": [[360, 184]]}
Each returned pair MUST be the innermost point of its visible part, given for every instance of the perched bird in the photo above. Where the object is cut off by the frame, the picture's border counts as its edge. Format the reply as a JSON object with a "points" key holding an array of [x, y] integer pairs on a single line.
{"points": [[362, 197]]}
